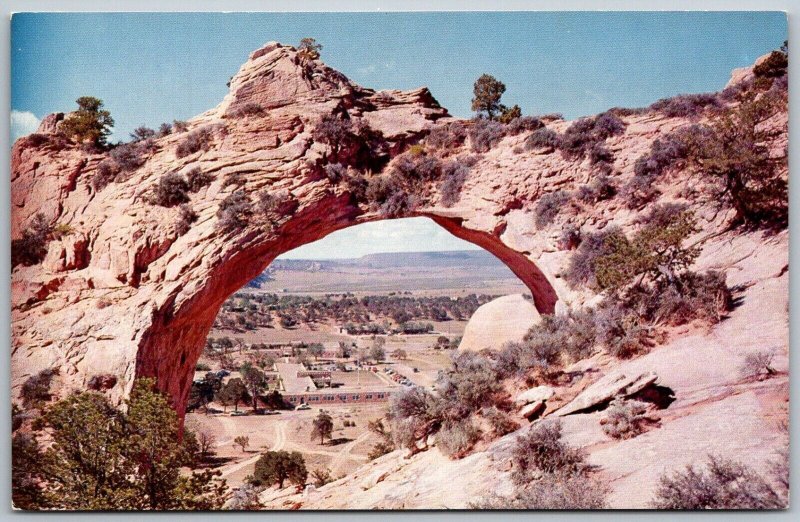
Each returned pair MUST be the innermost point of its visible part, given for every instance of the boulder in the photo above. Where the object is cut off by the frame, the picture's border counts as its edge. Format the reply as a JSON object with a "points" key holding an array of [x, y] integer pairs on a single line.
{"points": [[606, 389], [537, 394], [532, 410], [506, 319]]}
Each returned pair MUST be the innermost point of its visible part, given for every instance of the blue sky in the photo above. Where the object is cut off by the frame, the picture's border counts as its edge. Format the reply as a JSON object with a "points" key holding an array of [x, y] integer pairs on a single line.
{"points": [[151, 68]]}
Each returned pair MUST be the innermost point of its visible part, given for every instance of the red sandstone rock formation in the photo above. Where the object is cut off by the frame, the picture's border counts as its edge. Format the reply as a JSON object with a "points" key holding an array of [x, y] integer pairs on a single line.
{"points": [[126, 295]]}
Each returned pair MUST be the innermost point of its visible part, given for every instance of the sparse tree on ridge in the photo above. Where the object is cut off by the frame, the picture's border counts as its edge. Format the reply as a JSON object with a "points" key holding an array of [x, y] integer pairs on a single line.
{"points": [[309, 49], [488, 90], [90, 123]]}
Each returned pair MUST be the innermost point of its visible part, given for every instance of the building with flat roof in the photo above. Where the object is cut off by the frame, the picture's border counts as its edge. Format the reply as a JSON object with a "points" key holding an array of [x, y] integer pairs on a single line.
{"points": [[294, 378]]}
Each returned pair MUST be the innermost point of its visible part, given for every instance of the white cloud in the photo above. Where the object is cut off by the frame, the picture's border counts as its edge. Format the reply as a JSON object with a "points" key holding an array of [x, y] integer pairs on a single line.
{"points": [[22, 124]]}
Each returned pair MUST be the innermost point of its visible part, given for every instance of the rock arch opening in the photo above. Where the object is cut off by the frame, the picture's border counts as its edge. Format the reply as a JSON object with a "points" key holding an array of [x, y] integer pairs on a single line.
{"points": [[173, 345]]}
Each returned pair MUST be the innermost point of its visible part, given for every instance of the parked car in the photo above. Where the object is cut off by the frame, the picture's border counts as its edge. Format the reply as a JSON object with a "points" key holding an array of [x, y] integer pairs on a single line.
{"points": [[238, 413], [222, 373], [271, 412], [303, 407]]}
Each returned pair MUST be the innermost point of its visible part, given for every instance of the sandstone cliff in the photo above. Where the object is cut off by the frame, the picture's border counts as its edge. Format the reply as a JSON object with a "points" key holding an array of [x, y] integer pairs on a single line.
{"points": [[128, 292]]}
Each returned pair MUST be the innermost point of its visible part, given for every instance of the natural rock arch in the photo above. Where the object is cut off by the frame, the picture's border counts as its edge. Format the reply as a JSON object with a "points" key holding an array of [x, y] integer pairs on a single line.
{"points": [[170, 347], [128, 293]]}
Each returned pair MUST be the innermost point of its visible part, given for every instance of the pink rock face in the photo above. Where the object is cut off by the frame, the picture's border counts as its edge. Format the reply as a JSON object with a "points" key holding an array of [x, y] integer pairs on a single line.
{"points": [[127, 293]]}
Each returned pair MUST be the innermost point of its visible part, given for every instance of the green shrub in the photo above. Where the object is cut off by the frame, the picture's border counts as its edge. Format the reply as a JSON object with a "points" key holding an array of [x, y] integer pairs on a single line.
{"points": [[456, 438], [758, 364], [172, 189], [655, 253], [36, 389], [244, 110], [202, 367], [540, 450], [31, 248], [180, 126], [502, 423], [186, 216], [549, 205], [733, 159], [197, 179], [100, 458], [447, 137], [543, 138], [724, 484], [688, 297], [509, 114], [235, 211], [485, 134], [775, 65], [553, 492], [625, 419], [197, 140]]}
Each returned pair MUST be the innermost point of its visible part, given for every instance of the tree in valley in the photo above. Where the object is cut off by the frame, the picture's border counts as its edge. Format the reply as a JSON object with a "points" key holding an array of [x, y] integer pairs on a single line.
{"points": [[205, 443], [322, 427], [255, 381], [233, 393], [316, 350], [242, 441], [276, 467], [377, 352], [400, 354], [203, 392]]}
